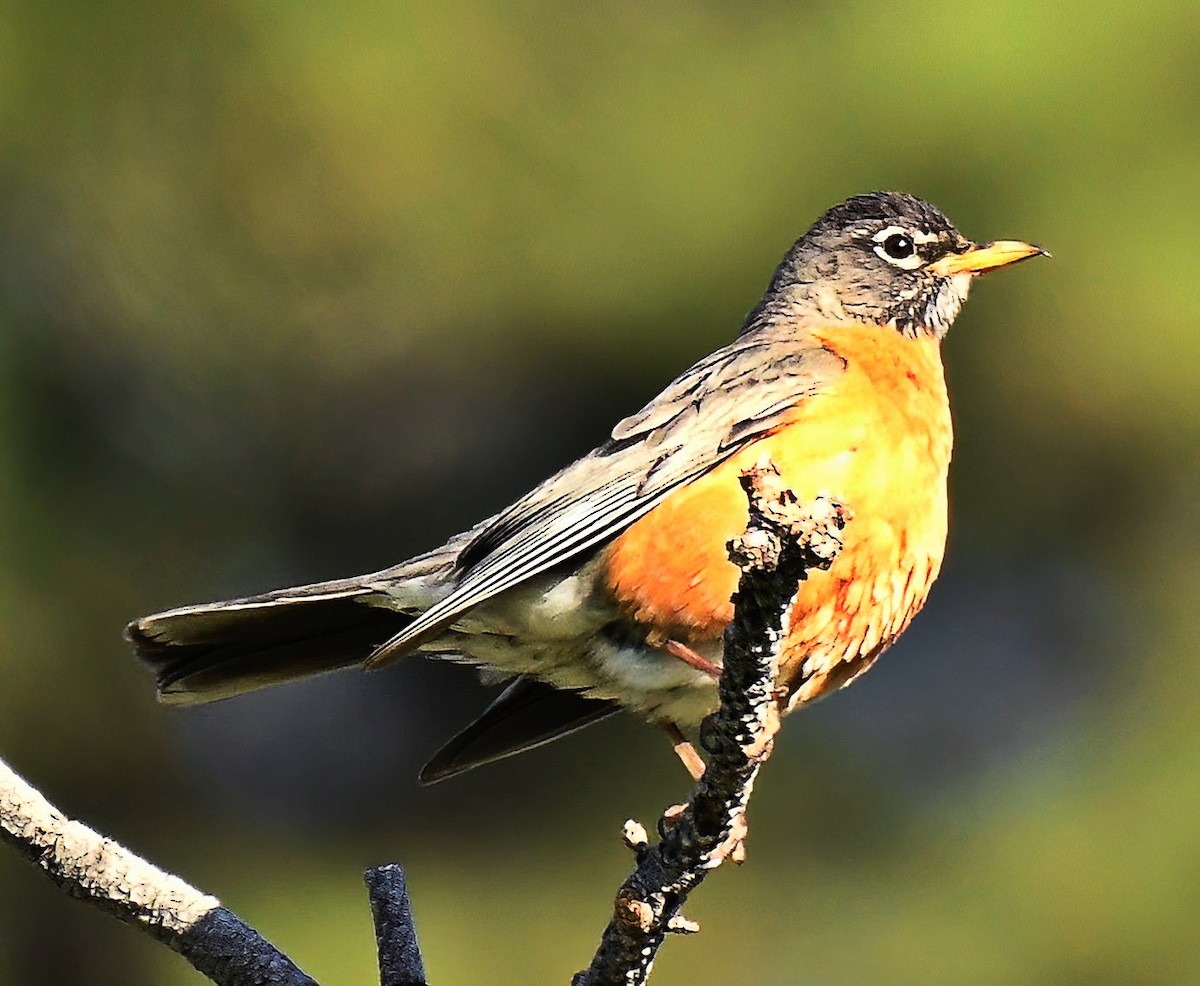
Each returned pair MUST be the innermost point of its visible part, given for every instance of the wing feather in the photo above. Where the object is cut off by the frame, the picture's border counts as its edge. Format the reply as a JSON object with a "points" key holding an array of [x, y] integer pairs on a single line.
{"points": [[722, 403]]}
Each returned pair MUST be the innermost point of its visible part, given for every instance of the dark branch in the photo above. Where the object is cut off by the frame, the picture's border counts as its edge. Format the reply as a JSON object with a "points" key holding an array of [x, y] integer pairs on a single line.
{"points": [[783, 542], [400, 962], [231, 953]]}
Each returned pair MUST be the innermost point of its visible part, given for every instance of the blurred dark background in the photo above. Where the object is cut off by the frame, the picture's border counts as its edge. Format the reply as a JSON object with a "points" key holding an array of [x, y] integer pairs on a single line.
{"points": [[294, 291]]}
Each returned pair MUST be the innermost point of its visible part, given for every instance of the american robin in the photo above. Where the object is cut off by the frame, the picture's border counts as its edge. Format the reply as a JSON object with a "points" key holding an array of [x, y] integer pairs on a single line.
{"points": [[608, 585]]}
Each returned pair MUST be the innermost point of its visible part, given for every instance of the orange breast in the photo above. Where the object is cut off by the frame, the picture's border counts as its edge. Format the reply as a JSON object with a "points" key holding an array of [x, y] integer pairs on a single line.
{"points": [[879, 441]]}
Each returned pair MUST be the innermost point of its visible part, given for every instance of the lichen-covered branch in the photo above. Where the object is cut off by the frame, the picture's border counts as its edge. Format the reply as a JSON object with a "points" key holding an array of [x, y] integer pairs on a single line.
{"points": [[90, 867], [782, 543]]}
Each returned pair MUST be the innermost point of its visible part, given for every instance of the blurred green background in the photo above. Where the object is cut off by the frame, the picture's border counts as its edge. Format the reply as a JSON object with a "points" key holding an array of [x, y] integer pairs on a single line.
{"points": [[290, 291]]}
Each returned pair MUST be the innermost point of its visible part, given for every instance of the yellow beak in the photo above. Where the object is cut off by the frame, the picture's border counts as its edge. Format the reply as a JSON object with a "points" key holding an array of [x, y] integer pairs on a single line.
{"points": [[987, 256]]}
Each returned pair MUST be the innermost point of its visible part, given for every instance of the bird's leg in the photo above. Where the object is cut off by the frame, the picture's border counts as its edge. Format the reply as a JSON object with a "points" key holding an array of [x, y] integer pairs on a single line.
{"points": [[689, 657], [691, 760], [679, 743]]}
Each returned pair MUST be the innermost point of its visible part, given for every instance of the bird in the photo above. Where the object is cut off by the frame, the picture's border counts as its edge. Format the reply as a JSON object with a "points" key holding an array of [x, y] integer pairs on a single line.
{"points": [[609, 586]]}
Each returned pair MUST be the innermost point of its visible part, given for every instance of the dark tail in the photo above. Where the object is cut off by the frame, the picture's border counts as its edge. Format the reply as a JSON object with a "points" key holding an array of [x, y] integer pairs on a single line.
{"points": [[204, 653]]}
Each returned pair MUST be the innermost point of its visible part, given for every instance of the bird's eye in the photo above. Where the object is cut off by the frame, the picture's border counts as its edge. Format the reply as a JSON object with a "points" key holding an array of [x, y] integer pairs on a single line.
{"points": [[898, 246]]}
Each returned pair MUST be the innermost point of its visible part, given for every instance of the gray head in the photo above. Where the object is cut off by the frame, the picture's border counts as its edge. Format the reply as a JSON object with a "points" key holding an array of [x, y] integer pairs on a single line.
{"points": [[884, 258]]}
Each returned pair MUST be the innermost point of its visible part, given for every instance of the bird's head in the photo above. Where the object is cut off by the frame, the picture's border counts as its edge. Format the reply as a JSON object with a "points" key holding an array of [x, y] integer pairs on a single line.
{"points": [[884, 258]]}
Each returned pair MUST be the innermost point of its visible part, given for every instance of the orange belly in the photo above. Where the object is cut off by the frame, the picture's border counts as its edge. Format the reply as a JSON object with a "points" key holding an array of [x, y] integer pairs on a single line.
{"points": [[878, 441]]}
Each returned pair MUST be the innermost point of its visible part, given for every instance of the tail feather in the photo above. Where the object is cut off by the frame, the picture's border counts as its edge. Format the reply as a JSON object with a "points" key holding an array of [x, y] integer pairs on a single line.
{"points": [[204, 653]]}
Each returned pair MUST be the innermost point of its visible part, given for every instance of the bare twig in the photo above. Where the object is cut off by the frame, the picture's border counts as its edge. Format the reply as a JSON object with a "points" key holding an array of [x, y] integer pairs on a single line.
{"points": [[98, 870], [400, 962], [783, 542]]}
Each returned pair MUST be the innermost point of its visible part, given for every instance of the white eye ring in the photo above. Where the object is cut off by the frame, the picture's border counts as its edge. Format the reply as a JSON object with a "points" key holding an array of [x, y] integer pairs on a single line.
{"points": [[909, 261]]}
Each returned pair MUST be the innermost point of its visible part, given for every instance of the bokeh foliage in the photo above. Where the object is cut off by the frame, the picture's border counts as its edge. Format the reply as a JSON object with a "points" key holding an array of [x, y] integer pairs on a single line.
{"points": [[294, 290]]}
